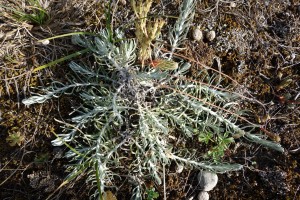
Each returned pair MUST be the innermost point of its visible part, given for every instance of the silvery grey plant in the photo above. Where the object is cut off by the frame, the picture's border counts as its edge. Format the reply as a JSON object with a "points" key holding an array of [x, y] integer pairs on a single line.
{"points": [[130, 117], [178, 34]]}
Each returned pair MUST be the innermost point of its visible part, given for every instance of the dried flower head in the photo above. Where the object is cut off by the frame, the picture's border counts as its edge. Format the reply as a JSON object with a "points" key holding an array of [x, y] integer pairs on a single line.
{"points": [[164, 64], [146, 30]]}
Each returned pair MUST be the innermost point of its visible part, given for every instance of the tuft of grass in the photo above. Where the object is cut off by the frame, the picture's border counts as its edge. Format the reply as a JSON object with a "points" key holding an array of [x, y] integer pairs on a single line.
{"points": [[130, 115], [34, 13]]}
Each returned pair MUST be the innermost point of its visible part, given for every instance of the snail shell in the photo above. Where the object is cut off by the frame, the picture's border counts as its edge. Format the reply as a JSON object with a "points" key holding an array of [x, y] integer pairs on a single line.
{"points": [[197, 34], [210, 36]]}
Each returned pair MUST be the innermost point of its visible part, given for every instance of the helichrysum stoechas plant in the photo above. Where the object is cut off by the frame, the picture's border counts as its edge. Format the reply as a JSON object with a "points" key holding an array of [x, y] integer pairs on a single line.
{"points": [[130, 117]]}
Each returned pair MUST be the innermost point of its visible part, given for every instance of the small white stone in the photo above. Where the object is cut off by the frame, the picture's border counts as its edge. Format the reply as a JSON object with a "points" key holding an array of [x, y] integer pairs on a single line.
{"points": [[179, 168], [203, 196], [207, 180], [232, 4], [210, 36], [45, 42], [197, 34]]}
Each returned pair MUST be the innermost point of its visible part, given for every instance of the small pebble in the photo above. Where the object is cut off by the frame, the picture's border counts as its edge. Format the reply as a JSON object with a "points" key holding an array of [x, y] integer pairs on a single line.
{"points": [[179, 168], [123, 2], [210, 36], [197, 34], [207, 180], [232, 4], [203, 196]]}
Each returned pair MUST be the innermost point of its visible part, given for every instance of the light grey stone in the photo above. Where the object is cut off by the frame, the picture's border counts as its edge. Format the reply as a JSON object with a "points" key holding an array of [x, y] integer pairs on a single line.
{"points": [[203, 196], [207, 180]]}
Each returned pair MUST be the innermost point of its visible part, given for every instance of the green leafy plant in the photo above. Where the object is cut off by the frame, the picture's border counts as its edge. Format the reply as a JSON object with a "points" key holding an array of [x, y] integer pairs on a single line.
{"points": [[130, 115], [222, 144], [206, 137], [15, 138], [151, 194]]}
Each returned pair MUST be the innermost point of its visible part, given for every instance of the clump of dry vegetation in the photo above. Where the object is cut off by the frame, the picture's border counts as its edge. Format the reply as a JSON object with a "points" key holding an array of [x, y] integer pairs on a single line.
{"points": [[146, 31]]}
